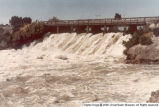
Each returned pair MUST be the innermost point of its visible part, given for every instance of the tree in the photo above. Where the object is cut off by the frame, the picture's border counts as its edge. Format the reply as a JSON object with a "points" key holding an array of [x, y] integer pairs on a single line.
{"points": [[27, 20], [117, 16], [18, 22], [28, 33]]}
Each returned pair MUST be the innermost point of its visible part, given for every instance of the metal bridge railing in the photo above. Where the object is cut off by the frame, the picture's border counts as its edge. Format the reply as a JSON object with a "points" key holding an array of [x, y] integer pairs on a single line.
{"points": [[134, 20]]}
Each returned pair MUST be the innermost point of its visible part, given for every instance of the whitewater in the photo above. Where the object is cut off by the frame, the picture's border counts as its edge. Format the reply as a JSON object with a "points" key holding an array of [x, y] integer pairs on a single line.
{"points": [[68, 69]]}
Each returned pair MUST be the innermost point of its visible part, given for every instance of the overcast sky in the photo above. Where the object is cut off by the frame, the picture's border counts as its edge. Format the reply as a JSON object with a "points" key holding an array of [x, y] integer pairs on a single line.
{"points": [[76, 9]]}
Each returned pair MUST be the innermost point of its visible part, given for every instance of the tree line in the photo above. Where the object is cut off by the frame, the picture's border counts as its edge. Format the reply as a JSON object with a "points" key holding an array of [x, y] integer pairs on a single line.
{"points": [[17, 22]]}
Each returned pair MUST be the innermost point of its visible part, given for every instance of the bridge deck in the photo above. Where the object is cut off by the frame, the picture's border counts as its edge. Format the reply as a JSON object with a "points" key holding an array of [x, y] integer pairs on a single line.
{"points": [[104, 22]]}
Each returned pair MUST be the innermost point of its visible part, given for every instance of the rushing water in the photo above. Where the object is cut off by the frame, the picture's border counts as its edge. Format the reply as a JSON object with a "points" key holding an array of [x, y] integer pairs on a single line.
{"points": [[68, 69]]}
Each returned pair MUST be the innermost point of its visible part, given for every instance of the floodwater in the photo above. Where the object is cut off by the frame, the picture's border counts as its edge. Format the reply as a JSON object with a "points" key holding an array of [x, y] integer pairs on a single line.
{"points": [[65, 70]]}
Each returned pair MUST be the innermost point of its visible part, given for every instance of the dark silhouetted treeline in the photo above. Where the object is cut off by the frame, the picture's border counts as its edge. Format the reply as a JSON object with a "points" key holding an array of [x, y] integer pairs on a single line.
{"points": [[17, 22]]}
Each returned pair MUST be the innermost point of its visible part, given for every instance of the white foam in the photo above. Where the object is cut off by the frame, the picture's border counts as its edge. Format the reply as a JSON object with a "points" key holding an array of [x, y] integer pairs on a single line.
{"points": [[69, 69]]}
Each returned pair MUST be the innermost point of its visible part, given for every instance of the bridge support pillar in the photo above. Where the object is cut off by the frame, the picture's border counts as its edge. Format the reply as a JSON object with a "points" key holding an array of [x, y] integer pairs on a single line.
{"points": [[113, 29], [105, 29], [64, 29], [132, 28], [57, 29], [51, 29], [81, 29], [88, 29], [71, 29], [96, 29], [125, 30]]}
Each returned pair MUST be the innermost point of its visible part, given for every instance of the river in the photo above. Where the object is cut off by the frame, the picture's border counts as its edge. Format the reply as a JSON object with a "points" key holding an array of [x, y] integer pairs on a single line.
{"points": [[65, 70]]}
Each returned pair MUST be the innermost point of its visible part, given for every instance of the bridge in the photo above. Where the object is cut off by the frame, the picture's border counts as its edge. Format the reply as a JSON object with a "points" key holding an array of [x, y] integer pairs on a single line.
{"points": [[99, 25]]}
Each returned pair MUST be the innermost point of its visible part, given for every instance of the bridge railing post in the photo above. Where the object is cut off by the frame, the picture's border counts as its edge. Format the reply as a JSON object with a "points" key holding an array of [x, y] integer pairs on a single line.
{"points": [[57, 28], [77, 22], [111, 21], [144, 20], [105, 29], [88, 26]]}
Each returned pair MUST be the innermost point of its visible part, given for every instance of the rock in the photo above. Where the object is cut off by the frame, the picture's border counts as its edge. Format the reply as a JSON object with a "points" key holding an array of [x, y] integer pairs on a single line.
{"points": [[144, 53], [154, 97], [62, 57], [41, 57], [152, 26]]}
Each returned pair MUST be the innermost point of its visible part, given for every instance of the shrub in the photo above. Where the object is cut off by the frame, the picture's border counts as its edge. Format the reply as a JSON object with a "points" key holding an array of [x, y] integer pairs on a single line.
{"points": [[18, 22], [29, 32], [138, 38], [5, 34], [156, 32], [143, 40]]}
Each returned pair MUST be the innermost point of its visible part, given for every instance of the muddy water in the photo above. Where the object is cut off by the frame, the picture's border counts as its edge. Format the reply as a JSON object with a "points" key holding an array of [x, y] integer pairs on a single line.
{"points": [[66, 70]]}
